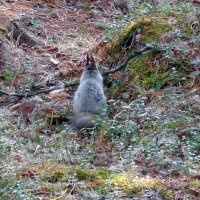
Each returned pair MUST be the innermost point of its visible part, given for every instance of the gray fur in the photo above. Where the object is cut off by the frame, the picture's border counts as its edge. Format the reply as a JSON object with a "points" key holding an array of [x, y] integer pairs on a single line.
{"points": [[89, 97], [83, 120]]}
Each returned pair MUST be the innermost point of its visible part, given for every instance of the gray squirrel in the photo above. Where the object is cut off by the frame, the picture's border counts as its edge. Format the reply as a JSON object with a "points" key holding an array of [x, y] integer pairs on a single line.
{"points": [[89, 100]]}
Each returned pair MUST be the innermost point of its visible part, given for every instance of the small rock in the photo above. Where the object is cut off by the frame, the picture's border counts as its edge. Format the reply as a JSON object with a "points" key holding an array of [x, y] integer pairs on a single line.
{"points": [[54, 61], [126, 95]]}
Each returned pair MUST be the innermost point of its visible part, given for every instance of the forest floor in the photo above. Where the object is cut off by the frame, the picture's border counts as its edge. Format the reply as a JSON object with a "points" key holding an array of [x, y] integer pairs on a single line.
{"points": [[149, 148]]}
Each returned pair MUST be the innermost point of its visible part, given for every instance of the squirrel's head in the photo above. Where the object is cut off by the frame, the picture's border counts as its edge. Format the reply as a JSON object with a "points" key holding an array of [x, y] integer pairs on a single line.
{"points": [[90, 63]]}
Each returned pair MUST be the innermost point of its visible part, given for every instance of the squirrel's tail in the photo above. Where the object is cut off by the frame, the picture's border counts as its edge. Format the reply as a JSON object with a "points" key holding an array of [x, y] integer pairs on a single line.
{"points": [[84, 120]]}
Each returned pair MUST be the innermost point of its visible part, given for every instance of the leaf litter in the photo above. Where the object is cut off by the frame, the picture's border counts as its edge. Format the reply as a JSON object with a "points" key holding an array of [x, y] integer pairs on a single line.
{"points": [[44, 161]]}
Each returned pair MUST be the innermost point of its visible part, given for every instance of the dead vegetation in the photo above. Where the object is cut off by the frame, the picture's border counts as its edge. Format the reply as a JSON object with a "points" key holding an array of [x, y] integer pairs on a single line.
{"points": [[148, 147]]}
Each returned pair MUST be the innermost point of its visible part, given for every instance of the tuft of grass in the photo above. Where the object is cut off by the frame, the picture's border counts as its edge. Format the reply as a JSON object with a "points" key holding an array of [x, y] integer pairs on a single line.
{"points": [[8, 75], [86, 7]]}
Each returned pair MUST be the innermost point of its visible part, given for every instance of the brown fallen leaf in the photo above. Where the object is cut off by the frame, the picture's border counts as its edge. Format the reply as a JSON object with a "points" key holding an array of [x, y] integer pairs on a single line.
{"points": [[52, 48], [27, 108], [175, 173], [54, 15], [29, 174], [61, 55], [59, 96], [193, 192], [138, 162], [176, 53]]}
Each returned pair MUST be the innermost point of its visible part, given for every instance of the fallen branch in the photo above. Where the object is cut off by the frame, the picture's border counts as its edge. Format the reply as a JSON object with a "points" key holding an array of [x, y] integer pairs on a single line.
{"points": [[124, 64], [47, 90], [44, 91]]}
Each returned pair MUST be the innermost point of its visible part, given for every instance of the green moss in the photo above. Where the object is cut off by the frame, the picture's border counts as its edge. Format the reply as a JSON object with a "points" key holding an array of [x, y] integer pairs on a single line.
{"points": [[150, 79], [83, 174], [120, 36], [143, 75], [116, 89], [101, 173], [168, 194], [55, 176], [138, 64], [152, 33], [140, 74]]}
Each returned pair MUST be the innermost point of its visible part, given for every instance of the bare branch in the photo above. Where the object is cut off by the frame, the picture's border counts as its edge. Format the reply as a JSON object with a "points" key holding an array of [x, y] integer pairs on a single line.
{"points": [[45, 91], [136, 53]]}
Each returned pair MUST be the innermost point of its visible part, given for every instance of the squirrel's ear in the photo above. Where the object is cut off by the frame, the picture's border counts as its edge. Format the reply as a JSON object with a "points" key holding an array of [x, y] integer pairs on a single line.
{"points": [[92, 60], [90, 63], [87, 59]]}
